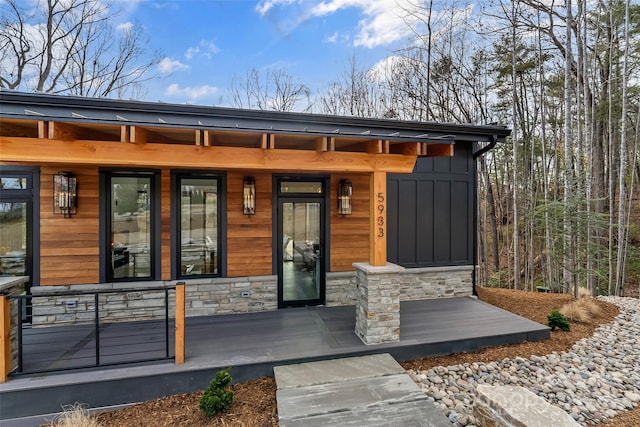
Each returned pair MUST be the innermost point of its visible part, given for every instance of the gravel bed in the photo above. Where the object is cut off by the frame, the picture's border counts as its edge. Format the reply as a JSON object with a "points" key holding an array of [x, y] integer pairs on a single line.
{"points": [[597, 379]]}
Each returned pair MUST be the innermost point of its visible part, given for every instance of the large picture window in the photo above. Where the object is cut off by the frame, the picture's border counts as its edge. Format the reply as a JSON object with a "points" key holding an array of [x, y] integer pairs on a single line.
{"points": [[131, 227], [198, 226]]}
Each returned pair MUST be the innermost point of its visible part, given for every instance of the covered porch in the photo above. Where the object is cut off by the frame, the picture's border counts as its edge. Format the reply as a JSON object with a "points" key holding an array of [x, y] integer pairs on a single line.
{"points": [[252, 344]]}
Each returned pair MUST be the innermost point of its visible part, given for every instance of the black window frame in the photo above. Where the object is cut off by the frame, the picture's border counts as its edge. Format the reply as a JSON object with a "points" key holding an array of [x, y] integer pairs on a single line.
{"points": [[106, 274], [176, 215], [30, 195]]}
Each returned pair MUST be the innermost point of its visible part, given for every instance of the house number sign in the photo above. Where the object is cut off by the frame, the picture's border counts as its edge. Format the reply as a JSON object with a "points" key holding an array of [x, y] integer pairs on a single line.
{"points": [[380, 220]]}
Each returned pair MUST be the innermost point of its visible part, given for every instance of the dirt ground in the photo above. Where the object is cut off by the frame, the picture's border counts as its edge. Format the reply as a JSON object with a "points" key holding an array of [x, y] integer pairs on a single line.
{"points": [[255, 401]]}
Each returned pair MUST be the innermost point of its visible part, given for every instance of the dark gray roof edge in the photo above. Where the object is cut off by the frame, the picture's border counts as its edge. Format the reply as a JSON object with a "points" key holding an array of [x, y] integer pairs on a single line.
{"points": [[62, 106]]}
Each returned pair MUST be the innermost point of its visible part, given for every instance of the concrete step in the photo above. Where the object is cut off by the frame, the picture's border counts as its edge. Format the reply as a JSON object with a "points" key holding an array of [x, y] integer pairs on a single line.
{"points": [[357, 391]]}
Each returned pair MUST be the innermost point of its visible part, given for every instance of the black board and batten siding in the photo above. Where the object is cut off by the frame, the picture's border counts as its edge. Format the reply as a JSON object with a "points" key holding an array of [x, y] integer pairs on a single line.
{"points": [[430, 211]]}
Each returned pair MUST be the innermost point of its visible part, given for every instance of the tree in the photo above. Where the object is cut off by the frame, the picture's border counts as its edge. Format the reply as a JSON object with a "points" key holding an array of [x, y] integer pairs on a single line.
{"points": [[72, 47], [272, 89]]}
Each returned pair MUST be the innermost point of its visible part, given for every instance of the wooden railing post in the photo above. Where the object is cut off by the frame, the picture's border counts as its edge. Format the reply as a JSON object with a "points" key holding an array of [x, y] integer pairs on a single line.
{"points": [[179, 338], [5, 338]]}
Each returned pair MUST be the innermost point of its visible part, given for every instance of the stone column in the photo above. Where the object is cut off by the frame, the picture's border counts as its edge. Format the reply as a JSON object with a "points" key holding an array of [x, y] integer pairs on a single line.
{"points": [[378, 303]]}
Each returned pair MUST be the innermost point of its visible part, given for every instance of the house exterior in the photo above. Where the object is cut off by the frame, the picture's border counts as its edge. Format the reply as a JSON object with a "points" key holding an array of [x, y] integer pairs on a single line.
{"points": [[253, 210]]}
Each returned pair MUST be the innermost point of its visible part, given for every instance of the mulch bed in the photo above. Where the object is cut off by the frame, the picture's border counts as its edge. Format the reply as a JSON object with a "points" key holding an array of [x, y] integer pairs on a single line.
{"points": [[255, 401]]}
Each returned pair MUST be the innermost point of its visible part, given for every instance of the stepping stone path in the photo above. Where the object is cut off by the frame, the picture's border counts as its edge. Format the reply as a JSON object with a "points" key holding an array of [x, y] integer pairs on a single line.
{"points": [[370, 390]]}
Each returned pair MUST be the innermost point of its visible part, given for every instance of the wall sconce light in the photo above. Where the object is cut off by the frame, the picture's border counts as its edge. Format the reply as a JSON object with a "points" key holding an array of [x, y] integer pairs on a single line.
{"points": [[248, 195], [65, 194], [345, 194]]}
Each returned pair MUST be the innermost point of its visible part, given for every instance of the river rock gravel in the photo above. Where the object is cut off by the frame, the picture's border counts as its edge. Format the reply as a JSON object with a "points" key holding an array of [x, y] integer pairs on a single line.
{"points": [[598, 378]]}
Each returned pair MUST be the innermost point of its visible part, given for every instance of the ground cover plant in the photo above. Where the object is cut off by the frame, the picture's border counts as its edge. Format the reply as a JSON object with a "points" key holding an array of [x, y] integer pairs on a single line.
{"points": [[255, 402]]}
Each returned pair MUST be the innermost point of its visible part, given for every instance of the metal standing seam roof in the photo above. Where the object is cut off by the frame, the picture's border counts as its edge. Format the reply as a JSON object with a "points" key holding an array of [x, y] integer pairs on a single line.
{"points": [[39, 106]]}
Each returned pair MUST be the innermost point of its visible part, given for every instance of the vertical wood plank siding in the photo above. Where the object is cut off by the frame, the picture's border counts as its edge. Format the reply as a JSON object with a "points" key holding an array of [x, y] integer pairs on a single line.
{"points": [[69, 252], [249, 237], [165, 225], [70, 246], [350, 234]]}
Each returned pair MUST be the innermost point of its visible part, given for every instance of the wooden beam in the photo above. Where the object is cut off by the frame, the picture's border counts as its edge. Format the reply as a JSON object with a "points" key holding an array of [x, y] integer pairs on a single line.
{"points": [[439, 150], [331, 144], [199, 140], [42, 129], [125, 133], [374, 147], [378, 219], [271, 141], [180, 324], [208, 138], [385, 147], [322, 143], [63, 131], [138, 135], [109, 153], [264, 141]]}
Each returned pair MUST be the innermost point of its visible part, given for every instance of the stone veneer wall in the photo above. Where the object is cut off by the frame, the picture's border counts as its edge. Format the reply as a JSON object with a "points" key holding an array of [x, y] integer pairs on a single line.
{"points": [[415, 284], [341, 288], [205, 297], [436, 282], [13, 286], [143, 301], [378, 303]]}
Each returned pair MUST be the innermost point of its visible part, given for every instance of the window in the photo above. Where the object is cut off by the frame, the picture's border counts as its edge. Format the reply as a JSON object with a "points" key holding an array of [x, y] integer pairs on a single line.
{"points": [[18, 228], [198, 223], [131, 226]]}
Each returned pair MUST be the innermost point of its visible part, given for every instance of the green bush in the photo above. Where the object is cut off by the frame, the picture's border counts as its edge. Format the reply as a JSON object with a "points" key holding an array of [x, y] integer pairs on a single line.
{"points": [[556, 319], [215, 398]]}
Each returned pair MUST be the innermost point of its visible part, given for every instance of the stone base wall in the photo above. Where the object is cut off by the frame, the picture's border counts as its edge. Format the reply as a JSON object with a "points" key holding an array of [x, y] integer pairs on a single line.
{"points": [[13, 286], [436, 282], [207, 297], [341, 289], [138, 301], [211, 296], [415, 284]]}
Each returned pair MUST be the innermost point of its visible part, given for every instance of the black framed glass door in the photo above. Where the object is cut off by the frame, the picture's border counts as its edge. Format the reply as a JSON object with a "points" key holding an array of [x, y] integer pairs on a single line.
{"points": [[301, 251]]}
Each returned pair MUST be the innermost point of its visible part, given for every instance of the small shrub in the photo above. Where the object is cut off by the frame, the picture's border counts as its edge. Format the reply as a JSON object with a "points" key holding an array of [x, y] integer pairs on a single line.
{"points": [[574, 311], [556, 319], [215, 398], [590, 306], [583, 293], [75, 415]]}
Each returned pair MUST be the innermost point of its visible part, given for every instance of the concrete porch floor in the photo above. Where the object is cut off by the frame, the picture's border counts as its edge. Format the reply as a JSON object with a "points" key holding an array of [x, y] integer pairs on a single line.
{"points": [[252, 344]]}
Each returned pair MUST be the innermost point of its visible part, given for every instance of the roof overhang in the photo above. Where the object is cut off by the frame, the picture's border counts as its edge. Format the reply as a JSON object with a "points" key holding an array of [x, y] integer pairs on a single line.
{"points": [[71, 109]]}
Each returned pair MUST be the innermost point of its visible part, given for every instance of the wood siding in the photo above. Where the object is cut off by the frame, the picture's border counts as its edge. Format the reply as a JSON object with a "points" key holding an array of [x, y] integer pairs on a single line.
{"points": [[70, 252], [69, 247], [249, 237], [350, 234]]}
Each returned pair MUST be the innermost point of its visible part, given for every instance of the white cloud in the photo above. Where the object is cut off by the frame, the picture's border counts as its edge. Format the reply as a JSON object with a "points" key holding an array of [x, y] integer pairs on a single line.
{"points": [[192, 93], [206, 47], [125, 27], [383, 21], [266, 5], [332, 38], [191, 52], [168, 66]]}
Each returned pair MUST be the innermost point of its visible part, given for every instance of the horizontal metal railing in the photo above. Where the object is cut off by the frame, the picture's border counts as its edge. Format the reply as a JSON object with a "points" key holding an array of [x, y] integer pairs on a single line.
{"points": [[60, 331]]}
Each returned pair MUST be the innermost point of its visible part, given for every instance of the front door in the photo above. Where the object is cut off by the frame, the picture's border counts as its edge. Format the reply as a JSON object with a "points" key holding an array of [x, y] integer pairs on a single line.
{"points": [[301, 248]]}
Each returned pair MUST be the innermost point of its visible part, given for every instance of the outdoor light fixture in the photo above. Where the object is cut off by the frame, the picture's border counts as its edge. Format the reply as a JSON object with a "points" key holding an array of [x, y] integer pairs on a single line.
{"points": [[65, 194], [345, 193], [248, 195]]}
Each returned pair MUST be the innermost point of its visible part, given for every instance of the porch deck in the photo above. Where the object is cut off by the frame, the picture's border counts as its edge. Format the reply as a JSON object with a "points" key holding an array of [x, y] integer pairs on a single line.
{"points": [[254, 343]]}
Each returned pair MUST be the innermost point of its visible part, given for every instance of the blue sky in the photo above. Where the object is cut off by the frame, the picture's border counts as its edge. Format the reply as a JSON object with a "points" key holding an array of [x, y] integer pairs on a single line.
{"points": [[205, 43]]}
